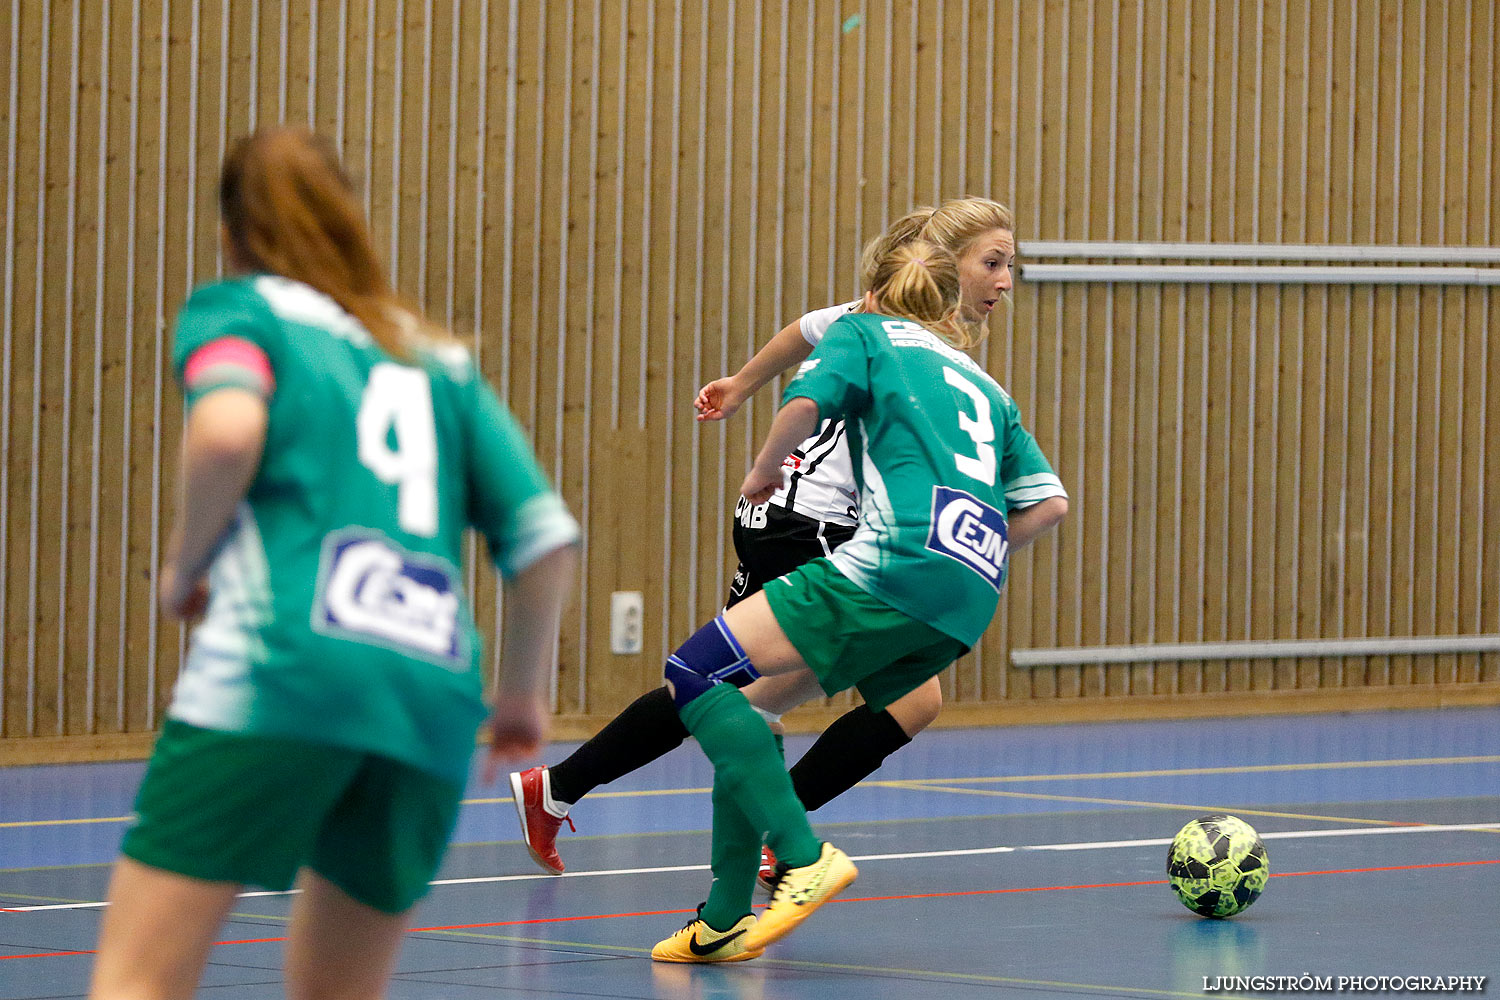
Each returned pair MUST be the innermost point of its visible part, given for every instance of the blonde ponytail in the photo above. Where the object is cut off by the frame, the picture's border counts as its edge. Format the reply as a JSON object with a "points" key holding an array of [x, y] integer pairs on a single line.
{"points": [[918, 281]]}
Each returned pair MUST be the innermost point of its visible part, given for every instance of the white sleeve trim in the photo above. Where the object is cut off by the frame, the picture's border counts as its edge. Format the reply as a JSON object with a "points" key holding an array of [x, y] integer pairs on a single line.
{"points": [[1024, 491], [816, 323], [544, 526]]}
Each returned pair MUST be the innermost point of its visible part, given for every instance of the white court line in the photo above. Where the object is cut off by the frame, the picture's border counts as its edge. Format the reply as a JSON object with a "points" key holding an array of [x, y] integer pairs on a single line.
{"points": [[1363, 831]]}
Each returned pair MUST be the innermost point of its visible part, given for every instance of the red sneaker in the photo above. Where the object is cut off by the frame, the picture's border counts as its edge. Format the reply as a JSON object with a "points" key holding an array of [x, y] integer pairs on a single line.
{"points": [[538, 826], [767, 877]]}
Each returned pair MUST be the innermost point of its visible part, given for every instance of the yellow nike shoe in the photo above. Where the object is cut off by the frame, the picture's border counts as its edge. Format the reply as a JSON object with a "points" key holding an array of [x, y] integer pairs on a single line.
{"points": [[800, 891], [698, 942]]}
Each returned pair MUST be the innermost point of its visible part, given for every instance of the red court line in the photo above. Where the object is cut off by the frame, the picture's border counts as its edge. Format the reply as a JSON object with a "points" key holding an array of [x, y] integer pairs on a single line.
{"points": [[1390, 868], [855, 899], [551, 920], [1117, 885]]}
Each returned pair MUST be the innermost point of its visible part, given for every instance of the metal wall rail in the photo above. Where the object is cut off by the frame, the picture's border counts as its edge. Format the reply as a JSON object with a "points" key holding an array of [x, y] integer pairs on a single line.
{"points": [[1253, 649], [1404, 254], [1229, 274]]}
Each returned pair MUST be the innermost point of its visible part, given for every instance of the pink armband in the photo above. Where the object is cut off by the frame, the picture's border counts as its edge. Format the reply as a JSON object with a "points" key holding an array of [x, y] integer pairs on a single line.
{"points": [[229, 361]]}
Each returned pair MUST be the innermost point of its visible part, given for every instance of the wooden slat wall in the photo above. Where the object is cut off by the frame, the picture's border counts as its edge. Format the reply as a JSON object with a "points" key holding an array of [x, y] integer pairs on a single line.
{"points": [[621, 201]]}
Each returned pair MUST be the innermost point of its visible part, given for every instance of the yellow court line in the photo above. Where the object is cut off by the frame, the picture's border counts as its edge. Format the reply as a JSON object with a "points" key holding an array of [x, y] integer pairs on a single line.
{"points": [[59, 868], [1008, 980], [644, 793], [634, 835], [525, 940], [273, 917], [84, 902], [927, 786], [67, 822], [1094, 775], [624, 950], [872, 969], [38, 899], [1245, 769], [1003, 779]]}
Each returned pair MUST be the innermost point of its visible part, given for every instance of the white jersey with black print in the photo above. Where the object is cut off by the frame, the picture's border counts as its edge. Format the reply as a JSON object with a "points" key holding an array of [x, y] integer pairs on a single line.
{"points": [[819, 479]]}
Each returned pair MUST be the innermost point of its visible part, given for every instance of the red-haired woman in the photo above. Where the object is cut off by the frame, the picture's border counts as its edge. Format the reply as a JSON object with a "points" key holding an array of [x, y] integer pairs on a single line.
{"points": [[337, 448]]}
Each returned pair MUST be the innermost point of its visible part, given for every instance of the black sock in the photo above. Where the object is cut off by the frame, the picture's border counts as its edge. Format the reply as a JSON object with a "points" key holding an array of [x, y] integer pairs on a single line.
{"points": [[648, 728], [848, 751]]}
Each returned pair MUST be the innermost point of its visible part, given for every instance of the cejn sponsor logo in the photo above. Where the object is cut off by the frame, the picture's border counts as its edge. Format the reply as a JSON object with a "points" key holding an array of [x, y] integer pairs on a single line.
{"points": [[374, 590], [971, 531]]}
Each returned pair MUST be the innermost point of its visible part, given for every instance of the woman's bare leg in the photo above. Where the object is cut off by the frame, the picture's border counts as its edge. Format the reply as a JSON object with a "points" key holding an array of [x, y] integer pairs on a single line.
{"points": [[157, 933], [338, 948]]}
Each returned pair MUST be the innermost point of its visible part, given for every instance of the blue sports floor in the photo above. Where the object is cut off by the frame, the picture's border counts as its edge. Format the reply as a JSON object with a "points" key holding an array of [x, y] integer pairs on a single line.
{"points": [[1022, 861]]}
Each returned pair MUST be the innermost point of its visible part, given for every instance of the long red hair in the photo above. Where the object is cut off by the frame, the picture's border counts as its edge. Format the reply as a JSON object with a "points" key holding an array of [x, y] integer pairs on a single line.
{"points": [[290, 209]]}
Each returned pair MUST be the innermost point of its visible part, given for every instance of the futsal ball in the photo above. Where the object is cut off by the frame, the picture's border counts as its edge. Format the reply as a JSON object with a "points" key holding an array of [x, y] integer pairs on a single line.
{"points": [[1217, 865]]}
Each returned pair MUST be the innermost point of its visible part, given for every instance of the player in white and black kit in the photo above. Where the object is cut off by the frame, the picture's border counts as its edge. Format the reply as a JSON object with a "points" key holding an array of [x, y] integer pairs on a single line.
{"points": [[815, 511]]}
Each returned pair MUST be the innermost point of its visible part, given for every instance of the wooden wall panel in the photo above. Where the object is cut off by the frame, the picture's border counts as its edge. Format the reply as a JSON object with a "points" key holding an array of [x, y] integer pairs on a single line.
{"points": [[619, 202]]}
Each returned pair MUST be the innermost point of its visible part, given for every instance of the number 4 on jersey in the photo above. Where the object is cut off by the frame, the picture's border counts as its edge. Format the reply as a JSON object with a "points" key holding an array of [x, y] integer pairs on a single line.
{"points": [[399, 398]]}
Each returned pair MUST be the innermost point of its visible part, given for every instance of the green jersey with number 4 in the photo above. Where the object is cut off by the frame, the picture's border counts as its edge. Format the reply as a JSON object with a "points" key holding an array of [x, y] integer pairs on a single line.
{"points": [[940, 457], [337, 610]]}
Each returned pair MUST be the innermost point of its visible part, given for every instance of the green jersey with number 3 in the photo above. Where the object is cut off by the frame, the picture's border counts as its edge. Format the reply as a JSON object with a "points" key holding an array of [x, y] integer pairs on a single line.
{"points": [[337, 611], [940, 457]]}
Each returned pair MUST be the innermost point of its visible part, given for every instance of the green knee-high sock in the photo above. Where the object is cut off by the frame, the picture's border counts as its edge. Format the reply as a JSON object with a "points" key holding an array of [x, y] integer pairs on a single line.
{"points": [[736, 862], [739, 744]]}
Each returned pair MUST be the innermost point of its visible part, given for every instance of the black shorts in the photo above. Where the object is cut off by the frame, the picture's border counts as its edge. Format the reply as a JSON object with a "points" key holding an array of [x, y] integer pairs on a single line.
{"points": [[772, 541]]}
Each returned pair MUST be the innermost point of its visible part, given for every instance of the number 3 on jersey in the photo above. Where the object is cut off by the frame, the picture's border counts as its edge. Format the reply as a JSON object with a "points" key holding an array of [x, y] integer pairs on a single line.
{"points": [[979, 427], [399, 398]]}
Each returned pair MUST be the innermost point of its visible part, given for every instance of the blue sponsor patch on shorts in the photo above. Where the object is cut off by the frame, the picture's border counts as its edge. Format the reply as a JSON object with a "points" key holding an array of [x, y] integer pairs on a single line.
{"points": [[372, 590], [969, 530]]}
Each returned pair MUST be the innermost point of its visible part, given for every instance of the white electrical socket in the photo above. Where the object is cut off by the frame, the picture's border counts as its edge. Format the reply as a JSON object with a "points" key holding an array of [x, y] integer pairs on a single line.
{"points": [[627, 621]]}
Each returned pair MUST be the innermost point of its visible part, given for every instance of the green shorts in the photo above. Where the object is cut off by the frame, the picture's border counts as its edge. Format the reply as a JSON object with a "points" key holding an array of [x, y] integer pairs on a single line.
{"points": [[229, 807], [851, 639]]}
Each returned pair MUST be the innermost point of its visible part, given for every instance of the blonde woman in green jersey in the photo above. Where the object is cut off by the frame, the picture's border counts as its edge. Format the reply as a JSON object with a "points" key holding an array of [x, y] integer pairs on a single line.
{"points": [[815, 510], [980, 233], [337, 448], [944, 468]]}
